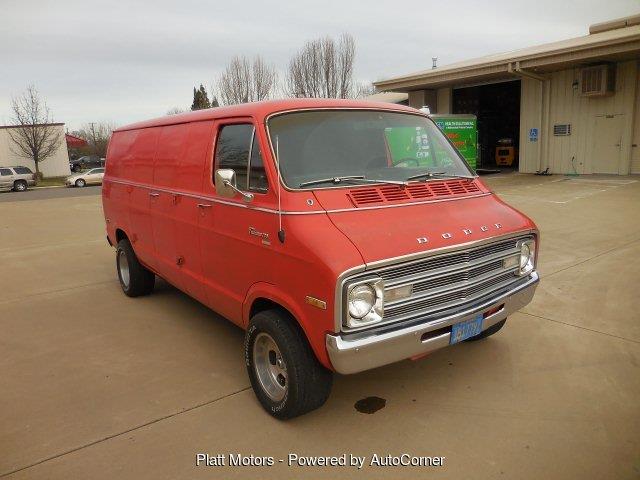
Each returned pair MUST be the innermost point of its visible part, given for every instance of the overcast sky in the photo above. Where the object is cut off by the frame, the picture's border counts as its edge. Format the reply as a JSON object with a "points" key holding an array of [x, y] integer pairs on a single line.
{"points": [[124, 61]]}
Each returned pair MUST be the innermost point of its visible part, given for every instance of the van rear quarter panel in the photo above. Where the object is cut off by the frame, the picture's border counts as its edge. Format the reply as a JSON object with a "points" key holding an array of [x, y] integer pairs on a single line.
{"points": [[139, 169], [115, 196]]}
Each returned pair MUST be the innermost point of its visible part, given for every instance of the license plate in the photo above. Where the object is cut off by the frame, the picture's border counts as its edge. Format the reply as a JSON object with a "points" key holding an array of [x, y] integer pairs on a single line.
{"points": [[463, 330]]}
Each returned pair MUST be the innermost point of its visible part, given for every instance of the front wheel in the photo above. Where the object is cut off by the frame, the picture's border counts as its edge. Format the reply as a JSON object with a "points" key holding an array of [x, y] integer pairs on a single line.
{"points": [[488, 332], [20, 186], [80, 183], [135, 279], [284, 372]]}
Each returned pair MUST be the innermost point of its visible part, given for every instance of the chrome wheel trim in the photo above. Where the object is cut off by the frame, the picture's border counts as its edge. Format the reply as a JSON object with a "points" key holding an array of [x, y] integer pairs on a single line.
{"points": [[21, 187], [123, 269], [269, 367], [80, 183]]}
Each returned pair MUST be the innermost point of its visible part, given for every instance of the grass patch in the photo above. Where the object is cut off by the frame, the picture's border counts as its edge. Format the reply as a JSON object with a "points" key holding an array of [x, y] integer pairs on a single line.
{"points": [[51, 182]]}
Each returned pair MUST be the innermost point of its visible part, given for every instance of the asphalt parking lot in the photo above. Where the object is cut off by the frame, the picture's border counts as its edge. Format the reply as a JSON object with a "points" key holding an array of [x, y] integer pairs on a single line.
{"points": [[46, 193], [97, 385]]}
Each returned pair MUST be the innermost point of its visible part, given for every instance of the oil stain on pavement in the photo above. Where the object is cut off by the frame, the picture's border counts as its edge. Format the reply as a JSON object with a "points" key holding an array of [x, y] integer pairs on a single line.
{"points": [[370, 405]]}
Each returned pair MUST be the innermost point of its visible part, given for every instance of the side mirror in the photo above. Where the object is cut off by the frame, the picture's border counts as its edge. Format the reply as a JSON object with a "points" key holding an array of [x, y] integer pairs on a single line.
{"points": [[226, 184]]}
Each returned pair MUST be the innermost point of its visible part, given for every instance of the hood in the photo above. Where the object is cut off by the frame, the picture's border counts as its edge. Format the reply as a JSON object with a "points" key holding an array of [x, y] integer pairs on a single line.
{"points": [[386, 230]]}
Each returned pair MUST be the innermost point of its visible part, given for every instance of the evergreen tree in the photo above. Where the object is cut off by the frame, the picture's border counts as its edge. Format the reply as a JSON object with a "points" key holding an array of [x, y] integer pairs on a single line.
{"points": [[200, 99]]}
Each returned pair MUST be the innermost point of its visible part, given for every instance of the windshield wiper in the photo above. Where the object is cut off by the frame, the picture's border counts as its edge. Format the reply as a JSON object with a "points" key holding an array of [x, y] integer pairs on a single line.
{"points": [[332, 180], [428, 175], [349, 178]]}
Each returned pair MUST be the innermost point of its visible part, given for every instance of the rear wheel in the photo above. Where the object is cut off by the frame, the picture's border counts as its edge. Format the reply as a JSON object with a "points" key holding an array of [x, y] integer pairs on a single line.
{"points": [[135, 279], [284, 372], [488, 332], [80, 183], [20, 185]]}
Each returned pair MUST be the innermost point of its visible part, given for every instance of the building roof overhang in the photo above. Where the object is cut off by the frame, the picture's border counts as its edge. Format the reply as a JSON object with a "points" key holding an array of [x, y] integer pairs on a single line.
{"points": [[607, 46]]}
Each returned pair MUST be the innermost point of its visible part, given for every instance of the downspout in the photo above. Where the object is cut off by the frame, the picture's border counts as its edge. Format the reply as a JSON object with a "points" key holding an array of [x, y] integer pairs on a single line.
{"points": [[545, 105]]}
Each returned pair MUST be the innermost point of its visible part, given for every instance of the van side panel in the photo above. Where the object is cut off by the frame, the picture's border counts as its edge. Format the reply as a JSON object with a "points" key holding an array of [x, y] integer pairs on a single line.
{"points": [[177, 180], [138, 167], [163, 200], [188, 178]]}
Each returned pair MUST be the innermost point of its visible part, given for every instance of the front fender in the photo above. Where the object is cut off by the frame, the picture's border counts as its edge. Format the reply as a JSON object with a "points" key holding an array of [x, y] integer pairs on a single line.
{"points": [[303, 313]]}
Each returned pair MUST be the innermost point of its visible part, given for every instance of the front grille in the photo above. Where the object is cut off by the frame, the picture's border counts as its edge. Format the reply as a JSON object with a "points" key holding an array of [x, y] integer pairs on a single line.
{"points": [[454, 280]]}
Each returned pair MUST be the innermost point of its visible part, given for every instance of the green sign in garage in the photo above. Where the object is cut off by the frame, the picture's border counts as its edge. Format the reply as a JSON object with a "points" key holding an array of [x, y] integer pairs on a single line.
{"points": [[462, 130]]}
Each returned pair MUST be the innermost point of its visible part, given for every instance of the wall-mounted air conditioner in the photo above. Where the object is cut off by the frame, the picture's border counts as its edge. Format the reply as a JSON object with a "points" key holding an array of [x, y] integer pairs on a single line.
{"points": [[598, 81]]}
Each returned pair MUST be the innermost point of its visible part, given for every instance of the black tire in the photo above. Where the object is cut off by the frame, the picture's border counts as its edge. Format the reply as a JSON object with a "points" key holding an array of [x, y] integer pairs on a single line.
{"points": [[308, 383], [135, 279], [20, 186], [488, 332], [80, 183]]}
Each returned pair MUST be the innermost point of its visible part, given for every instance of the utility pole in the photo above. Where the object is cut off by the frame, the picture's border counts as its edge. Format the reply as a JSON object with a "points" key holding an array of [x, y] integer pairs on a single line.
{"points": [[93, 138]]}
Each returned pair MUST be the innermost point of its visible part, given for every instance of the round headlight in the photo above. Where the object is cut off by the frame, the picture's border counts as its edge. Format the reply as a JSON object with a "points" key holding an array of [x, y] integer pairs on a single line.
{"points": [[525, 255], [527, 260], [361, 300]]}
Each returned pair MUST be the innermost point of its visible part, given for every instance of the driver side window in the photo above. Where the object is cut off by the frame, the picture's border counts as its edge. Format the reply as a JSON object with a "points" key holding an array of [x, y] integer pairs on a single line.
{"points": [[238, 149]]}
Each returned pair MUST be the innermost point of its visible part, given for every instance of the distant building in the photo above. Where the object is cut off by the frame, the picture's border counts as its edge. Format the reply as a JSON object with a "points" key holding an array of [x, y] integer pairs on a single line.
{"points": [[399, 98], [75, 142], [571, 106], [56, 165]]}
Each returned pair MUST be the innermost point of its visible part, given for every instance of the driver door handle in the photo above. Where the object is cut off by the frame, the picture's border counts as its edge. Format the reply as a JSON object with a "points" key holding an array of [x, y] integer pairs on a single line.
{"points": [[204, 205]]}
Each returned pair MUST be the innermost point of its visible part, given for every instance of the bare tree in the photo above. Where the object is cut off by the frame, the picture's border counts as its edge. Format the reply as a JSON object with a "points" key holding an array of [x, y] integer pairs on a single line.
{"points": [[175, 111], [97, 135], [34, 137], [323, 68], [247, 80], [364, 89]]}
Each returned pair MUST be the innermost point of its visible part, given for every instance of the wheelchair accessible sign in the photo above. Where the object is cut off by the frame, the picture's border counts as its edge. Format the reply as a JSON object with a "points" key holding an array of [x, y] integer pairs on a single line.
{"points": [[533, 134]]}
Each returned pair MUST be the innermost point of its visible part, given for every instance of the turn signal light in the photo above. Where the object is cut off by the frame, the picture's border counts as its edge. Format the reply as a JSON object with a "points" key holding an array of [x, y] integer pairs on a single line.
{"points": [[493, 310]]}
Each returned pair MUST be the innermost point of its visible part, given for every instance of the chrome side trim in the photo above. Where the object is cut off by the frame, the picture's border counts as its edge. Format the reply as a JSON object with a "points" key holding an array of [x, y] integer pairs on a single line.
{"points": [[366, 350], [273, 211]]}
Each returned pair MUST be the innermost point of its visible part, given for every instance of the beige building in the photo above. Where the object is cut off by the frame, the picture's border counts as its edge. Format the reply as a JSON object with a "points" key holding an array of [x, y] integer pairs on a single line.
{"points": [[571, 106], [55, 166]]}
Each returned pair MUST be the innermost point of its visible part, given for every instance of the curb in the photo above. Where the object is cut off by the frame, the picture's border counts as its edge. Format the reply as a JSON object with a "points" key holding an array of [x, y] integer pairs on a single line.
{"points": [[48, 186]]}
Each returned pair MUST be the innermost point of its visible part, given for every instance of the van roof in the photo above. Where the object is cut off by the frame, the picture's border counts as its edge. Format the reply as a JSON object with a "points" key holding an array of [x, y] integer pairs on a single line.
{"points": [[260, 110]]}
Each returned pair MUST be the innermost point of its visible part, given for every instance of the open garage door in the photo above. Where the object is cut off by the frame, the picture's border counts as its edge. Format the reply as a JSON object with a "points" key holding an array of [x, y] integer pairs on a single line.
{"points": [[497, 108]]}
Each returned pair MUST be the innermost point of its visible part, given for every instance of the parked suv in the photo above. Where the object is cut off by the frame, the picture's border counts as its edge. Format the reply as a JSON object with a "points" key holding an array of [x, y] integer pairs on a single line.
{"points": [[16, 178], [341, 235]]}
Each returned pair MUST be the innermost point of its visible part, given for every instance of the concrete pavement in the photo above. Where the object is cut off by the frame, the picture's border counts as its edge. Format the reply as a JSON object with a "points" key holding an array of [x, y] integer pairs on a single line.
{"points": [[97, 385]]}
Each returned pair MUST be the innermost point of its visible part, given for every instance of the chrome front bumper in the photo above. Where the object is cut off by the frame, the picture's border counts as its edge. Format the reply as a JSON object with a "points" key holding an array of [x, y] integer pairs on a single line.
{"points": [[366, 350]]}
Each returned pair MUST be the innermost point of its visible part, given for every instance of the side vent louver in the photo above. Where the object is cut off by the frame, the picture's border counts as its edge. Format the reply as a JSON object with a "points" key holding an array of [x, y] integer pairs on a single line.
{"points": [[412, 192]]}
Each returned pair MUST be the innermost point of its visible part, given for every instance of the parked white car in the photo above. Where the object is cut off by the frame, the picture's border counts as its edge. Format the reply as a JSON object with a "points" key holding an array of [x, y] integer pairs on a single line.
{"points": [[90, 177]]}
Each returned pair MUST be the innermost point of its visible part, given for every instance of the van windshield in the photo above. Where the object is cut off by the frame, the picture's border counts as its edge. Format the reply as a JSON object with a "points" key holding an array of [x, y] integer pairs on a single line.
{"points": [[320, 148]]}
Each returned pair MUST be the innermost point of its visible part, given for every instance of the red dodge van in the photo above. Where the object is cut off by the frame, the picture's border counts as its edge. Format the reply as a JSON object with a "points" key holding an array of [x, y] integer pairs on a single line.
{"points": [[341, 235]]}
